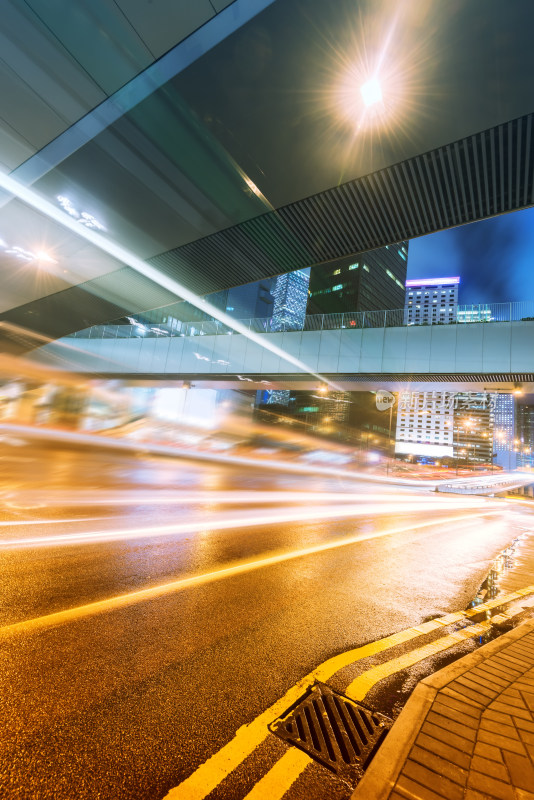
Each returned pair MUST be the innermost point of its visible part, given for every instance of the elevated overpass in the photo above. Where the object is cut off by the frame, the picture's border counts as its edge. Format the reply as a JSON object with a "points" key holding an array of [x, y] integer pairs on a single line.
{"points": [[475, 356], [138, 166]]}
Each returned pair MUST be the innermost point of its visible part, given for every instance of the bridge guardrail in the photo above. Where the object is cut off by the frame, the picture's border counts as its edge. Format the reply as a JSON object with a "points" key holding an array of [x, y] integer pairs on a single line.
{"points": [[158, 323]]}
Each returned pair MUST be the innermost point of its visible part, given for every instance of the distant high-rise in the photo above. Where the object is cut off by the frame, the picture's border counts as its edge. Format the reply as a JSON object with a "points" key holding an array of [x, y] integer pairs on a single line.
{"points": [[425, 424], [290, 297], [473, 427], [443, 425], [504, 430], [429, 301], [425, 420], [525, 433], [367, 282], [251, 300]]}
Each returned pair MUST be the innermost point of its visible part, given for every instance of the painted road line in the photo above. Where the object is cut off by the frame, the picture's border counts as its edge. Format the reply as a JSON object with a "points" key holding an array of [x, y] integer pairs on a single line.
{"points": [[281, 776], [154, 592], [209, 774], [358, 690], [361, 686]]}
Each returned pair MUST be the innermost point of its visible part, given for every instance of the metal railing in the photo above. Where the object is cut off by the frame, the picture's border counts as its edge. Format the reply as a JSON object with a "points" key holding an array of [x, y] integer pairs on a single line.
{"points": [[161, 325]]}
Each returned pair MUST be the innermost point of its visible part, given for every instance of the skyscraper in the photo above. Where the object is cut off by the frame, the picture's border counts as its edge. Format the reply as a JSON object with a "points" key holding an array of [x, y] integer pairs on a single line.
{"points": [[446, 425], [290, 297], [473, 427], [525, 433], [430, 301], [367, 282], [425, 420], [425, 424], [504, 430], [251, 300]]}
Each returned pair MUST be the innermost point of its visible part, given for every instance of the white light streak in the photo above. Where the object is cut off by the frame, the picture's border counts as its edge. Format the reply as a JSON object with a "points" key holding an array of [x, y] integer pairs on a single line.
{"points": [[231, 521], [125, 256]]}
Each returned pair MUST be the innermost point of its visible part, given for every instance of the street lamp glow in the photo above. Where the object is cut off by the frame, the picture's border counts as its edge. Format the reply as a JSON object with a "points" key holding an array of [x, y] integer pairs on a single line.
{"points": [[371, 92]]}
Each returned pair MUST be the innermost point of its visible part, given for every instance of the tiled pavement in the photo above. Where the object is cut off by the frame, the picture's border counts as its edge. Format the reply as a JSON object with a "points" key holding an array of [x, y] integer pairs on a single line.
{"points": [[467, 732]]}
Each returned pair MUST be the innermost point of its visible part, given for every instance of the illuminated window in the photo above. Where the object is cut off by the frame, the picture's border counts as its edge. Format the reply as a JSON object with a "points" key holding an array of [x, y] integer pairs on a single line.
{"points": [[353, 266], [366, 268], [337, 287], [336, 272]]}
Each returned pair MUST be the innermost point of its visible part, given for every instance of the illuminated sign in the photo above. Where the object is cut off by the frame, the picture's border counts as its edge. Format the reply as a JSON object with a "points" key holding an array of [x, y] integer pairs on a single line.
{"points": [[423, 449], [432, 281]]}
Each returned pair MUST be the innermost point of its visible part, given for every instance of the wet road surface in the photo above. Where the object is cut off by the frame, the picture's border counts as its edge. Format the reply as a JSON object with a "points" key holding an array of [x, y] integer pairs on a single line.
{"points": [[124, 699]]}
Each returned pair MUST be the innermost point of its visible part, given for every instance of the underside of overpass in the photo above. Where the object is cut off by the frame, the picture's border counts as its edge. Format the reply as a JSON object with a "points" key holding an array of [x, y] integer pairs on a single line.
{"points": [[220, 144]]}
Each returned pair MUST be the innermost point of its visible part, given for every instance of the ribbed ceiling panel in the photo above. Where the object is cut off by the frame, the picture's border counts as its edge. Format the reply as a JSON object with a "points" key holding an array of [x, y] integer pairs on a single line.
{"points": [[479, 176]]}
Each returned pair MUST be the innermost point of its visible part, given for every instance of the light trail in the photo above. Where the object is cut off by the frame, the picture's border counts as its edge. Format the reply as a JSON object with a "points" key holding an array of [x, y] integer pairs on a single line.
{"points": [[9, 523], [238, 568], [226, 522], [229, 497], [31, 198], [148, 448]]}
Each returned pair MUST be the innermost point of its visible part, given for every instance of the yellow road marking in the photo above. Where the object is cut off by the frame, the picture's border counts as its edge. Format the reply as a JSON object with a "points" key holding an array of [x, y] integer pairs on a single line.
{"points": [[209, 774], [361, 685], [281, 776], [357, 690], [239, 568]]}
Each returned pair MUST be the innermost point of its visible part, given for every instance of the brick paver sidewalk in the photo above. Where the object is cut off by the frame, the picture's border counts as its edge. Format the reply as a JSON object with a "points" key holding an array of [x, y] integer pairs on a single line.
{"points": [[467, 732]]}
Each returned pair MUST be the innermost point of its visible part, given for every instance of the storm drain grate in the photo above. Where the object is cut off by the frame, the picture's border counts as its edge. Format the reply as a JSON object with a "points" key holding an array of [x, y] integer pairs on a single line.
{"points": [[339, 733]]}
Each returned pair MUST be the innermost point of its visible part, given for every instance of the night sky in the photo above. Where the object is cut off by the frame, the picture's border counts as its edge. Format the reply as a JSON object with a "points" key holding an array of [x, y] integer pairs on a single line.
{"points": [[494, 258]]}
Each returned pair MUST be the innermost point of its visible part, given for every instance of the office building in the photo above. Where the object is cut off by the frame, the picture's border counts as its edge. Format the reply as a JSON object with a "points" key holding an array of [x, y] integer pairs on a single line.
{"points": [[525, 434], [290, 294], [504, 431], [368, 282], [476, 313], [425, 424], [446, 425], [430, 301], [425, 420], [253, 300], [473, 427]]}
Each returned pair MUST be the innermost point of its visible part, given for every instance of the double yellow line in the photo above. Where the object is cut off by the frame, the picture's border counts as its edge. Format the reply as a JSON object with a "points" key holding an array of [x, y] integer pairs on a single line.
{"points": [[283, 774]]}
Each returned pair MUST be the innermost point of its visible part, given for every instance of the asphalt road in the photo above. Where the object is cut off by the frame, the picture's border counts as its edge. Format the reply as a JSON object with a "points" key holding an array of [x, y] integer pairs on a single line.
{"points": [[264, 576]]}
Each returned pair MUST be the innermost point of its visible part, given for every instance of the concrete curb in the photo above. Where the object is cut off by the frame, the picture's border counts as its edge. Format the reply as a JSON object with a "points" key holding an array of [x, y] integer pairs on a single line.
{"points": [[379, 780]]}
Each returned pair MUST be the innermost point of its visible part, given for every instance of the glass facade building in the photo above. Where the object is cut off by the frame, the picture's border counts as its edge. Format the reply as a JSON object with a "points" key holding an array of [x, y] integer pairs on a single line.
{"points": [[290, 294], [368, 282]]}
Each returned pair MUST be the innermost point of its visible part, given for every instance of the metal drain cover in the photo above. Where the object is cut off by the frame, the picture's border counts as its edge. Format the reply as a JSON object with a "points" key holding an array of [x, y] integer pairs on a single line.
{"points": [[339, 733]]}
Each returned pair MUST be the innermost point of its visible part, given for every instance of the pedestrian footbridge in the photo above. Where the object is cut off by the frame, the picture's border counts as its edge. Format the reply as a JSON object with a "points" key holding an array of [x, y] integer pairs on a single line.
{"points": [[500, 483], [476, 356]]}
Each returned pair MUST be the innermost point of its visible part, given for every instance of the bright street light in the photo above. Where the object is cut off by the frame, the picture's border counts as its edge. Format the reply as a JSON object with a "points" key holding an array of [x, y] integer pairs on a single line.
{"points": [[371, 92]]}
